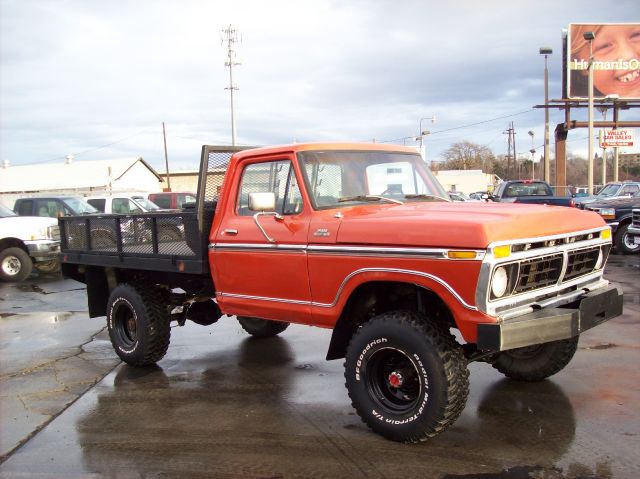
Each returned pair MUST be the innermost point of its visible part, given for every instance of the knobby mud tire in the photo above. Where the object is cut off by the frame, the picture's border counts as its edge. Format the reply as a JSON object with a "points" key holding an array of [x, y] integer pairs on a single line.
{"points": [[407, 377], [535, 363], [262, 328], [138, 324]]}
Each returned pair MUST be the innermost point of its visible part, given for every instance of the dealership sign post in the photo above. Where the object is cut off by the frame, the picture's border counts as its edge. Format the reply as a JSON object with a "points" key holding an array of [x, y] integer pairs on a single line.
{"points": [[616, 138]]}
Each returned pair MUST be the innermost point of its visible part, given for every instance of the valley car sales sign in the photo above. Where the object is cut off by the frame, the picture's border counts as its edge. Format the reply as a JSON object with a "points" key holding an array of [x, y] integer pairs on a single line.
{"points": [[615, 138]]}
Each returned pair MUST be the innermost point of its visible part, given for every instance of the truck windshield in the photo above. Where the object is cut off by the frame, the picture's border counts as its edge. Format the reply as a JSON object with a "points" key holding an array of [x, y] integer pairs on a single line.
{"points": [[145, 203], [608, 190], [5, 212], [344, 178], [79, 206]]}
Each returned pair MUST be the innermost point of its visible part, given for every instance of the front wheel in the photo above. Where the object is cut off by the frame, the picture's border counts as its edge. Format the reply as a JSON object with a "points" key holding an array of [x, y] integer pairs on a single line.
{"points": [[262, 328], [52, 266], [15, 264], [407, 378], [624, 241], [138, 324], [535, 363]]}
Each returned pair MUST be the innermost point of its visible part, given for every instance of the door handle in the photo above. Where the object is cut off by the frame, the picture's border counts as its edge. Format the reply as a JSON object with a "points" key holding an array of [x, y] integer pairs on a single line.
{"points": [[230, 232]]}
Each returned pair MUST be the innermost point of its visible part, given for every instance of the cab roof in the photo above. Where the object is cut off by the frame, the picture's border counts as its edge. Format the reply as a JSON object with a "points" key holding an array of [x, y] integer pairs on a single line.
{"points": [[297, 147]]}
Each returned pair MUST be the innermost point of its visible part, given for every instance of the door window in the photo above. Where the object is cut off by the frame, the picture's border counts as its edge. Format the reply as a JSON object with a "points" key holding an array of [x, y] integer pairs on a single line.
{"points": [[275, 176]]}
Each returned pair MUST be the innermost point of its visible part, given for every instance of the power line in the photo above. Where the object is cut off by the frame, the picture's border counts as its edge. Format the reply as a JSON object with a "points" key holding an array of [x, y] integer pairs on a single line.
{"points": [[89, 150], [463, 126]]}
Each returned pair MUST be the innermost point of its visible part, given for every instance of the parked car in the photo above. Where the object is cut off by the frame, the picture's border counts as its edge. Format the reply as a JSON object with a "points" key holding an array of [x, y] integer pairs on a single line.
{"points": [[611, 191], [478, 195], [26, 241], [459, 196], [528, 191], [172, 200], [122, 203], [618, 213], [53, 206]]}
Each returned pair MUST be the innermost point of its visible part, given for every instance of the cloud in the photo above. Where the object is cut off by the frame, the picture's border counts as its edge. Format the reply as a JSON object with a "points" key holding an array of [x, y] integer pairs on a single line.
{"points": [[78, 75]]}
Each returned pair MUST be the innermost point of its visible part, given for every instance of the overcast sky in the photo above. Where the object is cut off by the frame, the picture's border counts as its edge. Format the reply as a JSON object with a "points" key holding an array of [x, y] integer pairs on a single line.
{"points": [[96, 79]]}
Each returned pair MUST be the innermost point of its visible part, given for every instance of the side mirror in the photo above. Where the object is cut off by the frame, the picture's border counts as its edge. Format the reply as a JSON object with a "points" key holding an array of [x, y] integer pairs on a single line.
{"points": [[485, 196], [262, 201]]}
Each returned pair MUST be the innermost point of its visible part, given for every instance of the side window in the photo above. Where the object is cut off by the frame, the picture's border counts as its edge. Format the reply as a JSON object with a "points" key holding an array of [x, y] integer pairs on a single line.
{"points": [[274, 176], [25, 208], [97, 203], [629, 190], [163, 201], [182, 199], [48, 208], [120, 206]]}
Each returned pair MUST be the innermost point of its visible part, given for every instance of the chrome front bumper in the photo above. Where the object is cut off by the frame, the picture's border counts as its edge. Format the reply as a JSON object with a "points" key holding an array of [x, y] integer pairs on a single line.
{"points": [[43, 250], [552, 324]]}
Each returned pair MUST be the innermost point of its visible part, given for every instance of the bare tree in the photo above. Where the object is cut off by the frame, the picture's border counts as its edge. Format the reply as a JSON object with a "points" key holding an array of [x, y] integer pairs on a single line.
{"points": [[465, 155]]}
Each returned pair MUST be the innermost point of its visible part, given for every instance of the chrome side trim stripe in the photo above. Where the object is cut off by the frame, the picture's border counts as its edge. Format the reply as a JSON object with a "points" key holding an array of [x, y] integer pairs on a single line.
{"points": [[344, 282], [434, 253]]}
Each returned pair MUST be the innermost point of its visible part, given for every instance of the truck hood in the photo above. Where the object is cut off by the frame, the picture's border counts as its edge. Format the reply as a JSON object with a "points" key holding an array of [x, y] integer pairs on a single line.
{"points": [[459, 225], [24, 227]]}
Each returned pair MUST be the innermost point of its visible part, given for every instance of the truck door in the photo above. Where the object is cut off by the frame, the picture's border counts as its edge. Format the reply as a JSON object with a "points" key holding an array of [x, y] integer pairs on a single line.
{"points": [[260, 261]]}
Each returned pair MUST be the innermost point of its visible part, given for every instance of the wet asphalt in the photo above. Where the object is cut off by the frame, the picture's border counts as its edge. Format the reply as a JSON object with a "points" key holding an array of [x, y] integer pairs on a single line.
{"points": [[222, 404]]}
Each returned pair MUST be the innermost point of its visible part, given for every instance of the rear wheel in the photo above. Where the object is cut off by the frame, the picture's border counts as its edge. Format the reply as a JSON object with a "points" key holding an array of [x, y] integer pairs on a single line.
{"points": [[138, 324], [535, 363], [262, 328], [15, 264], [407, 378]]}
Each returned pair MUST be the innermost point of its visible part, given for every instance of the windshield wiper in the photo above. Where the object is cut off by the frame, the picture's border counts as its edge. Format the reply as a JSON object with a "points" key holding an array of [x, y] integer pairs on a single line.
{"points": [[369, 198], [425, 197]]}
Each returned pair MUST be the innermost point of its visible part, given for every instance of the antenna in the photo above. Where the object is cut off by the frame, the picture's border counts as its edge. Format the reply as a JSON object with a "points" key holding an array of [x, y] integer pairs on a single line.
{"points": [[231, 37]]}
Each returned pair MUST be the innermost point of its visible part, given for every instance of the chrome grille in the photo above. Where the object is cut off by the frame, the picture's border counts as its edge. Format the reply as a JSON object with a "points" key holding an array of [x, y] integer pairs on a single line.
{"points": [[538, 273], [635, 218], [581, 262]]}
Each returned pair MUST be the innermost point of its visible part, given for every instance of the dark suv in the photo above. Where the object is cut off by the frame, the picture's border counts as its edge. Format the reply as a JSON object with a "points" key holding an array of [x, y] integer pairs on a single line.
{"points": [[618, 213], [53, 206]]}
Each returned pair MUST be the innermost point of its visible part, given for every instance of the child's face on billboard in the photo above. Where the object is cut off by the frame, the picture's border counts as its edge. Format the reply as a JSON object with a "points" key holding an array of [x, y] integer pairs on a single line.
{"points": [[613, 43]]}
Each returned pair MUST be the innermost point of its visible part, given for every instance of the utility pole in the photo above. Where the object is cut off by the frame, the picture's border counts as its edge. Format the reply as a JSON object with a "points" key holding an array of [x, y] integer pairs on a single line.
{"points": [[231, 37], [511, 143], [166, 157]]}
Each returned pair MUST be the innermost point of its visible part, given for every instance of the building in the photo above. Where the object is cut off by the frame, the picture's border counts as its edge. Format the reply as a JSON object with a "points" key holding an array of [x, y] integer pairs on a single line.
{"points": [[465, 181], [77, 178], [628, 160]]}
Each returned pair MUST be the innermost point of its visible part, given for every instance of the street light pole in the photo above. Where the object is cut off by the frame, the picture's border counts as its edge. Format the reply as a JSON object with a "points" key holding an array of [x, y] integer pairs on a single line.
{"points": [[533, 152], [590, 36], [546, 51], [422, 133]]}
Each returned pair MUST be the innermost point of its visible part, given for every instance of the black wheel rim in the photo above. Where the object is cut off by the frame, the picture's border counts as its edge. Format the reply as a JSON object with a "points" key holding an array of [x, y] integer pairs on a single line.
{"points": [[393, 381], [124, 321]]}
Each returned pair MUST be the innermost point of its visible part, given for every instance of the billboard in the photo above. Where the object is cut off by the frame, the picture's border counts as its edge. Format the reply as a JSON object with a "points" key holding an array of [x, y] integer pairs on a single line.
{"points": [[616, 60]]}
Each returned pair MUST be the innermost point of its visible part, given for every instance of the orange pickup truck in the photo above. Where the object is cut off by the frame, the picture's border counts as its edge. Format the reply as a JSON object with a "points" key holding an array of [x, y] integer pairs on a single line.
{"points": [[362, 239]]}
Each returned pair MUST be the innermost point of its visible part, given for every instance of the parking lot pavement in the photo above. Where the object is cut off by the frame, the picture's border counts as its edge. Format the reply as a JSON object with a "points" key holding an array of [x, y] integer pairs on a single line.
{"points": [[222, 404], [50, 354]]}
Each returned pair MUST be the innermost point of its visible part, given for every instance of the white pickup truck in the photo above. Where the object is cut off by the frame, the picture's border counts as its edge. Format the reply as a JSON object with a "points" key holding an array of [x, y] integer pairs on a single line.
{"points": [[26, 241], [122, 203]]}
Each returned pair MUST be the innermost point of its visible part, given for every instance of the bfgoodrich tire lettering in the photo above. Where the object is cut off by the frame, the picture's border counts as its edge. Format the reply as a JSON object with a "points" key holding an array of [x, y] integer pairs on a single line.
{"points": [[407, 378], [138, 324]]}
